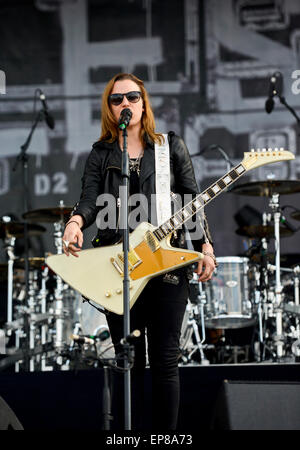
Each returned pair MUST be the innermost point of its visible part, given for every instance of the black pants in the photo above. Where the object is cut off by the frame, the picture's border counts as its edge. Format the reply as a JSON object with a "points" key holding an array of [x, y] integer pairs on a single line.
{"points": [[160, 310]]}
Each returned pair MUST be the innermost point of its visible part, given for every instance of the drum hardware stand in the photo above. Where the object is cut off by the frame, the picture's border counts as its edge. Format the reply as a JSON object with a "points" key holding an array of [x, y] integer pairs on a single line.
{"points": [[296, 311], [260, 313], [193, 327], [261, 283], [296, 344], [9, 247], [58, 292], [32, 322], [45, 327], [201, 301], [296, 271], [274, 204], [19, 332]]}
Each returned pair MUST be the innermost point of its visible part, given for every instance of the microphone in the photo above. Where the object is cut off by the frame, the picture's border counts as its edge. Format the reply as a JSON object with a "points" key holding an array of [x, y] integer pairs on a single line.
{"points": [[275, 88], [124, 119], [288, 224], [82, 339], [131, 337], [48, 118]]}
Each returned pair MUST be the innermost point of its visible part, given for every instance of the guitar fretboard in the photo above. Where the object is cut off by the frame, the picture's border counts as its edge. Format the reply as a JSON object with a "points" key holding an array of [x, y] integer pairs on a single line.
{"points": [[193, 207]]}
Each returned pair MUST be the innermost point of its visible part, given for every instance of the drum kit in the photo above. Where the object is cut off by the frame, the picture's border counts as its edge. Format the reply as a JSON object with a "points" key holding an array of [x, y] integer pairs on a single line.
{"points": [[255, 294], [43, 313]]}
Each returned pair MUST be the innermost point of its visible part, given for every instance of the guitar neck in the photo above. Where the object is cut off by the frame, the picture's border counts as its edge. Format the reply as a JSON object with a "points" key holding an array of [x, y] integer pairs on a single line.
{"points": [[201, 200]]}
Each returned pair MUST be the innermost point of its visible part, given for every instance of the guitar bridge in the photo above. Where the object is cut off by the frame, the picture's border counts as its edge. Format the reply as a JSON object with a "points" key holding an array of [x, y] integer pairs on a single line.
{"points": [[133, 261]]}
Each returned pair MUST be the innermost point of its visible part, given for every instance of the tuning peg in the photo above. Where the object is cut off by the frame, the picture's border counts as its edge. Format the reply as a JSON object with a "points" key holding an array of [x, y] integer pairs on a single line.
{"points": [[252, 150], [276, 149], [270, 149], [264, 149]]}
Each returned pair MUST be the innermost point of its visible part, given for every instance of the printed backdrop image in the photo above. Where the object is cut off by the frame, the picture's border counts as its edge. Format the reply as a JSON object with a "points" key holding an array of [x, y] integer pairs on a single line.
{"points": [[207, 66]]}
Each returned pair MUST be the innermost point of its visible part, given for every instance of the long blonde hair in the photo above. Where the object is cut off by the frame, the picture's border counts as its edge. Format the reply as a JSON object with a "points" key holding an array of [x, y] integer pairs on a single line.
{"points": [[109, 126]]}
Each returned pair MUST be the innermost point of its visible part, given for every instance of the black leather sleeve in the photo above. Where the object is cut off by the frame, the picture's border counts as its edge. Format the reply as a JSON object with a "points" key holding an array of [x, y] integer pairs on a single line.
{"points": [[91, 188], [185, 181]]}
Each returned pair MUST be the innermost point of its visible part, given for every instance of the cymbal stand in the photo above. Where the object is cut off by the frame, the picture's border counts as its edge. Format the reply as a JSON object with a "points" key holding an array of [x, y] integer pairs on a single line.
{"points": [[44, 329], [58, 292], [9, 247], [296, 271], [260, 311], [274, 205], [296, 343], [261, 289], [32, 309]]}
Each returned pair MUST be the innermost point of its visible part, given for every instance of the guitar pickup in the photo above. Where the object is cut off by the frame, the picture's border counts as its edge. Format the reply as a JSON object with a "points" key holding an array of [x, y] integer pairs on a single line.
{"points": [[151, 241]]}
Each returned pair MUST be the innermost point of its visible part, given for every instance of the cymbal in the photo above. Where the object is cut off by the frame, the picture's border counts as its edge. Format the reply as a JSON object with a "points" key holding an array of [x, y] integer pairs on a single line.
{"points": [[49, 215], [16, 229], [286, 260], [295, 215], [262, 231], [267, 188], [33, 263]]}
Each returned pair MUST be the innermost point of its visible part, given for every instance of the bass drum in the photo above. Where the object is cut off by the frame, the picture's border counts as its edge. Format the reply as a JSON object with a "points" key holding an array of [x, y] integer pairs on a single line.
{"points": [[228, 295]]}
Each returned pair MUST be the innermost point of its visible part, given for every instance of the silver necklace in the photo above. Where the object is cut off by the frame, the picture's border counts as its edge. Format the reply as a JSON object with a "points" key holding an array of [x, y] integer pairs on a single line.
{"points": [[135, 163]]}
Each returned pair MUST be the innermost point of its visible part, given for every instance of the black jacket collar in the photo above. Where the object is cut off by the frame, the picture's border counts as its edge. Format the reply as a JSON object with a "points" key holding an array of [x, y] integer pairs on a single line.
{"points": [[114, 158]]}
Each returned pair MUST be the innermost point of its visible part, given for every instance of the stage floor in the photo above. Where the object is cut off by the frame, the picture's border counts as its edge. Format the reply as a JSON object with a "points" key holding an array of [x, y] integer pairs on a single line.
{"points": [[72, 400]]}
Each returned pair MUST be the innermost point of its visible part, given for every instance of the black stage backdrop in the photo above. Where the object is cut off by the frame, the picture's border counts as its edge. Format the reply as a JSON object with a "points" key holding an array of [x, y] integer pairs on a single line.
{"points": [[206, 64]]}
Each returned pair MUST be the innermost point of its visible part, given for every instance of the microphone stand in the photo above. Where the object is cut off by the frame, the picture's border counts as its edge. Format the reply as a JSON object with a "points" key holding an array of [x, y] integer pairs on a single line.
{"points": [[23, 158], [126, 298], [283, 102], [229, 163]]}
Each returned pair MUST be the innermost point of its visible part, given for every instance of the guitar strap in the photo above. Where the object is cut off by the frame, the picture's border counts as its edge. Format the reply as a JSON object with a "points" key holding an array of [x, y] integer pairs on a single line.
{"points": [[163, 181]]}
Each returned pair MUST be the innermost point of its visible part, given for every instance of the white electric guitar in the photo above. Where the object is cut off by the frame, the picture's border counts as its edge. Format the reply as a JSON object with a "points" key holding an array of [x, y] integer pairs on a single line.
{"points": [[98, 272]]}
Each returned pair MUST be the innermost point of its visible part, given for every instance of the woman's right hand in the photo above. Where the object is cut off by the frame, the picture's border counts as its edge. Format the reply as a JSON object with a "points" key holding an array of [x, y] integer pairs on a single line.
{"points": [[73, 236]]}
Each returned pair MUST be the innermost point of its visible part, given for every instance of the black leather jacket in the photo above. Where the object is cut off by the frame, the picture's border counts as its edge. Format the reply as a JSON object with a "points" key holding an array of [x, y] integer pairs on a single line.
{"points": [[102, 174]]}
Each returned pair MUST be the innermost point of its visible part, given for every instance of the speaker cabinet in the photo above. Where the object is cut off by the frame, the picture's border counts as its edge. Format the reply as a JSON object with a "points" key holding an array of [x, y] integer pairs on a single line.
{"points": [[8, 419], [244, 405]]}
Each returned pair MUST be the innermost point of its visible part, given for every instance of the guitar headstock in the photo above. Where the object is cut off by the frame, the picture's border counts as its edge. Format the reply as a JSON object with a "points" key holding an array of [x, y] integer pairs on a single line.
{"points": [[260, 157]]}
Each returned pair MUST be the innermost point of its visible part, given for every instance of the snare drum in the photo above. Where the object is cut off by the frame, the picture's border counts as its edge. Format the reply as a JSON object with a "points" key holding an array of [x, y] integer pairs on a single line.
{"points": [[228, 302]]}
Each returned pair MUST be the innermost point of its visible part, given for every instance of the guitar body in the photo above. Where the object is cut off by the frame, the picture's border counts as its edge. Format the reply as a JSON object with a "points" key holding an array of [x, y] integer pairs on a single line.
{"points": [[97, 272]]}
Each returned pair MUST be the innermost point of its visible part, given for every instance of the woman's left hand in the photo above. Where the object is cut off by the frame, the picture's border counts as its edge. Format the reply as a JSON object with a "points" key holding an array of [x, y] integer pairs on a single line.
{"points": [[206, 266]]}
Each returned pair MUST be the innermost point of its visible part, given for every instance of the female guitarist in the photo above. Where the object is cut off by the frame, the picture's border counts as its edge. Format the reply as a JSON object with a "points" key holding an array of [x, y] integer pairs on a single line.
{"points": [[160, 308]]}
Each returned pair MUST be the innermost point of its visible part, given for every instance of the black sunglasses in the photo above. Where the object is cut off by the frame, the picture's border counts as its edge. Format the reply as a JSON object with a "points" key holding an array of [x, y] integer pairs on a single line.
{"points": [[132, 97]]}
